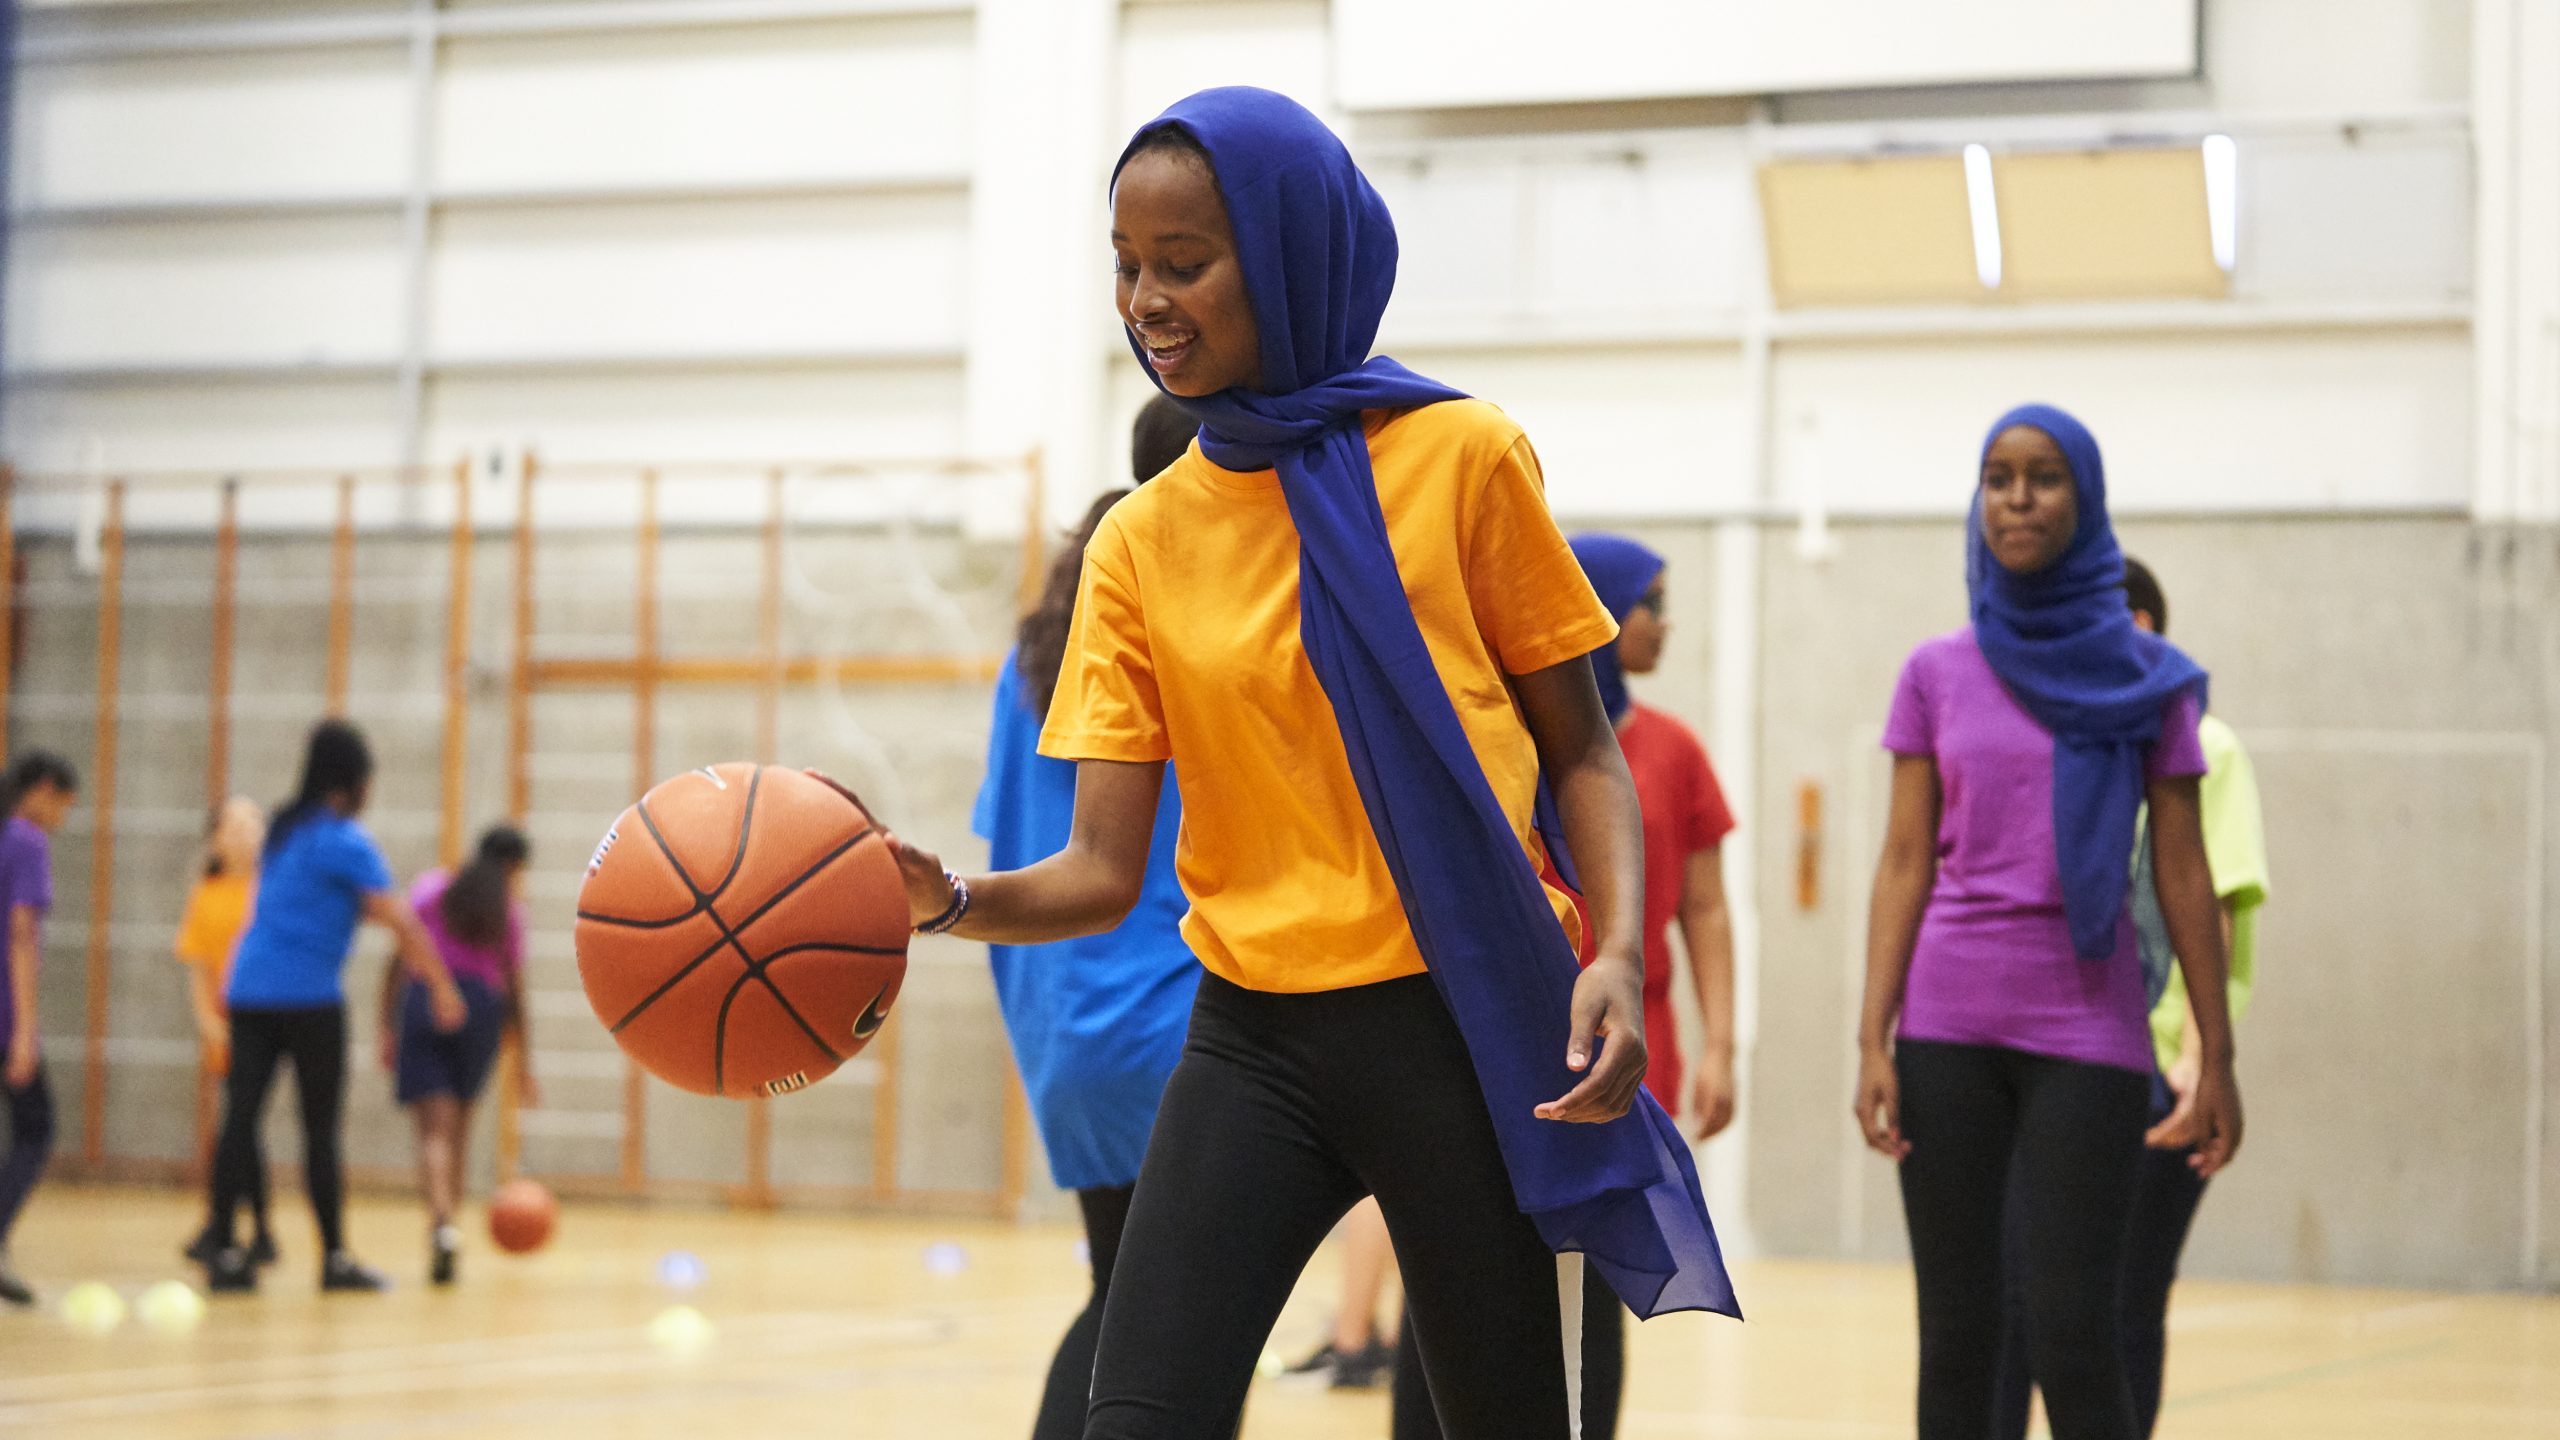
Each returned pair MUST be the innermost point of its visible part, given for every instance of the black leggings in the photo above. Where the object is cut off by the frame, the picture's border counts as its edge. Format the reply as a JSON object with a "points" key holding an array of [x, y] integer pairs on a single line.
{"points": [[316, 1041], [1604, 1369], [1070, 1389], [1285, 1110], [2165, 1197], [2074, 1133], [30, 1142]]}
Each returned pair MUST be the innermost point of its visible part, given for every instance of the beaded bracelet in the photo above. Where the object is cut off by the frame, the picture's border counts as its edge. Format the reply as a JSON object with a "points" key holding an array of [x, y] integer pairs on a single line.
{"points": [[953, 914]]}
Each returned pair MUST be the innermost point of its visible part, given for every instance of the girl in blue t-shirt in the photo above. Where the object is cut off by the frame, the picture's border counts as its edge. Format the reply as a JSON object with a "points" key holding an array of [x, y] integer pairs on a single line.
{"points": [[319, 877], [34, 796], [1096, 1023]]}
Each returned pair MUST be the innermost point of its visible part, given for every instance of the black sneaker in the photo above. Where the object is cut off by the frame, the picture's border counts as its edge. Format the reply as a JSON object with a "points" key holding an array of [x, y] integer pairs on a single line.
{"points": [[1318, 1366], [1370, 1369], [230, 1273], [342, 1271], [262, 1251], [204, 1247], [12, 1289], [444, 1254]]}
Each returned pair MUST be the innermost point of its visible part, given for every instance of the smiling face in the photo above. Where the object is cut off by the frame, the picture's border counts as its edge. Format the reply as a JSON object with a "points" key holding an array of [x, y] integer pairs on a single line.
{"points": [[2030, 505], [1181, 283], [1641, 634]]}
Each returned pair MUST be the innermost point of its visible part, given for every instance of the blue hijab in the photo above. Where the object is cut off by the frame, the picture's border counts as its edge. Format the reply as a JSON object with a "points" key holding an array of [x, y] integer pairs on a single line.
{"points": [[2065, 645], [1620, 571], [1319, 254]]}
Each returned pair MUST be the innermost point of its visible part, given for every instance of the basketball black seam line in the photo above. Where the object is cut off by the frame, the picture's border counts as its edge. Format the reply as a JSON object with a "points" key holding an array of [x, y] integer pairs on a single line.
{"points": [[755, 971], [728, 932], [794, 1012], [701, 901]]}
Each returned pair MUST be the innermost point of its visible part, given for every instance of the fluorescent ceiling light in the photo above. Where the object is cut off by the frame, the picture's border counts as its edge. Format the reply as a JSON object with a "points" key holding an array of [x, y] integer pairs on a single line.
{"points": [[1986, 215]]}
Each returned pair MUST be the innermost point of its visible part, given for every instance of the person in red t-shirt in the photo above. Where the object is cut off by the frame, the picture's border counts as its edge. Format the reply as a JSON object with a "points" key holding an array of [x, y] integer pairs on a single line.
{"points": [[1685, 825]]}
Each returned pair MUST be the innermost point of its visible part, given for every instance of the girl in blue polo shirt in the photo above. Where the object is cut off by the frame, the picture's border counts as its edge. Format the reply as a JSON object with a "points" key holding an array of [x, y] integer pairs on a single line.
{"points": [[319, 877]]}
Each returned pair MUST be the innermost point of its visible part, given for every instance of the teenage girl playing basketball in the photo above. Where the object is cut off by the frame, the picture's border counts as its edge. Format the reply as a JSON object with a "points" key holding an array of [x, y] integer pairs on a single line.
{"points": [[477, 923], [1347, 618]]}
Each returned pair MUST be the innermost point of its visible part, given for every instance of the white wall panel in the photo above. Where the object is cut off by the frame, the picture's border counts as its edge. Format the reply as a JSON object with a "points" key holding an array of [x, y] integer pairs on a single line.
{"points": [[2186, 422], [1407, 54], [1169, 51], [290, 291], [861, 98], [2386, 216], [323, 123], [1635, 432], [787, 275], [848, 411], [2296, 55], [177, 427]]}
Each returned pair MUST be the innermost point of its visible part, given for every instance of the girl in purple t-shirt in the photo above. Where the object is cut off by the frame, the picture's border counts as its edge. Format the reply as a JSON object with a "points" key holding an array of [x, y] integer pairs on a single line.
{"points": [[34, 796], [2004, 1020], [477, 925]]}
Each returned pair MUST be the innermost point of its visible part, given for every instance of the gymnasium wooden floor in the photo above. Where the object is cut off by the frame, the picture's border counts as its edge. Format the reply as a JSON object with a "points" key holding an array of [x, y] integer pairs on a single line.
{"points": [[838, 1327]]}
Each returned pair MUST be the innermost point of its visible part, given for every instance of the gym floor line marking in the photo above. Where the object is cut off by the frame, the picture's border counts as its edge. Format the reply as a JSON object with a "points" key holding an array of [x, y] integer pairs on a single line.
{"points": [[820, 1383], [2287, 1379], [566, 1350], [642, 1358]]}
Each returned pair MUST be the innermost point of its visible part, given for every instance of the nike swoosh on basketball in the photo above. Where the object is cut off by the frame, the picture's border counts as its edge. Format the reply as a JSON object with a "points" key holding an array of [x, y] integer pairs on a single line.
{"points": [[872, 1018]]}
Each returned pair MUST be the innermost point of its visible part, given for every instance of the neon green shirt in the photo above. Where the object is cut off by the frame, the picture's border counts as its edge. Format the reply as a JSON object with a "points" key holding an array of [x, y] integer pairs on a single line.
{"points": [[2235, 849]]}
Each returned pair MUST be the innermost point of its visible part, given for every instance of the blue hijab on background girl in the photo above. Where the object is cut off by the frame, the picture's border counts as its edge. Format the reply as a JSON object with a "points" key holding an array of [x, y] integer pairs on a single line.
{"points": [[1621, 570], [1317, 251], [2049, 614]]}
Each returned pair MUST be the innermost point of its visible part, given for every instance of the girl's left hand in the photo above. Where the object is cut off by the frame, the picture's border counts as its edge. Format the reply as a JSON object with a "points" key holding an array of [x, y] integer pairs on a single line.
{"points": [[1608, 1004], [2217, 1122], [2177, 1129], [1711, 1096]]}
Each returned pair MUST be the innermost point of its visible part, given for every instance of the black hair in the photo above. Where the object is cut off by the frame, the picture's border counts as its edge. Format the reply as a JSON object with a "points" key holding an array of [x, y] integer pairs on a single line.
{"points": [[336, 765], [2142, 592], [1162, 432], [475, 903], [31, 770], [1170, 135], [1040, 641]]}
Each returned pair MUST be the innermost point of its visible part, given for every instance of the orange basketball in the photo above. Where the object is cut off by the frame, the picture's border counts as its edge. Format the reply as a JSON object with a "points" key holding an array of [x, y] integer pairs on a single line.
{"points": [[742, 930], [521, 1215]]}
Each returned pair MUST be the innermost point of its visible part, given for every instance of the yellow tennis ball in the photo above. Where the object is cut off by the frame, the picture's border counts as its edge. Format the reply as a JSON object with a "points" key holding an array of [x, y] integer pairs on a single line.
{"points": [[681, 1330], [171, 1307], [93, 1308]]}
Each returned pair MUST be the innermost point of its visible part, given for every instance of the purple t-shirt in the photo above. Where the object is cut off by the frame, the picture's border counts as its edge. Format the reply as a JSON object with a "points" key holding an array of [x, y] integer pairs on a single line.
{"points": [[26, 878], [1993, 964], [488, 965]]}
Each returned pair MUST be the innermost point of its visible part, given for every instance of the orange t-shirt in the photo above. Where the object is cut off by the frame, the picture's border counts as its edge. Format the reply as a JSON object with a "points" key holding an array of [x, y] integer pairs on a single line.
{"points": [[1185, 648], [217, 911]]}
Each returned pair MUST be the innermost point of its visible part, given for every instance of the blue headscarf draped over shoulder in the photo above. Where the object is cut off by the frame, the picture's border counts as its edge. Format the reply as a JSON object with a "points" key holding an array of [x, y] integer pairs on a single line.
{"points": [[2064, 644], [1620, 571], [1318, 253]]}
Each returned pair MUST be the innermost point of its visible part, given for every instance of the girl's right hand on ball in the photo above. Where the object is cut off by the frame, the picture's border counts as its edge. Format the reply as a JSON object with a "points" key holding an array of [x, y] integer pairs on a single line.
{"points": [[928, 884]]}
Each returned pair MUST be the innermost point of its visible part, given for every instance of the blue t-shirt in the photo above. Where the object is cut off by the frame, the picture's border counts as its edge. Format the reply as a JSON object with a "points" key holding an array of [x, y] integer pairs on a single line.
{"points": [[1097, 1023], [26, 878], [311, 892]]}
